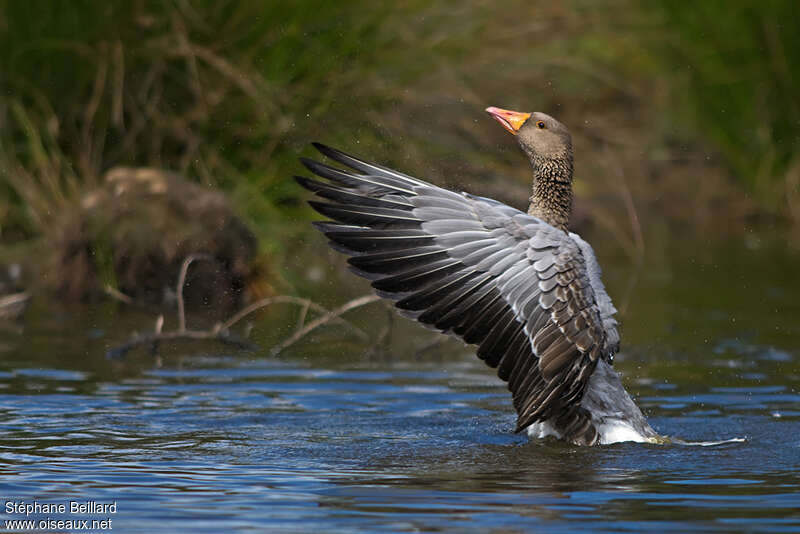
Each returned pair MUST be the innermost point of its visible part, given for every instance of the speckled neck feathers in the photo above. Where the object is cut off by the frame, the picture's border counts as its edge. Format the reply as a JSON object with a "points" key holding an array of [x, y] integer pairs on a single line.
{"points": [[551, 200]]}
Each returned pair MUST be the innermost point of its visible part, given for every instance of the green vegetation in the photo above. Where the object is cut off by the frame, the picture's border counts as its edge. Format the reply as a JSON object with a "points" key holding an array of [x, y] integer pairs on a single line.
{"points": [[229, 93], [738, 67], [215, 90]]}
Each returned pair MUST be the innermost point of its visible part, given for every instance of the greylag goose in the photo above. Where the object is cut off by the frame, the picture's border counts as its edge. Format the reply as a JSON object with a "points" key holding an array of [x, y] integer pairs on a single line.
{"points": [[518, 285]]}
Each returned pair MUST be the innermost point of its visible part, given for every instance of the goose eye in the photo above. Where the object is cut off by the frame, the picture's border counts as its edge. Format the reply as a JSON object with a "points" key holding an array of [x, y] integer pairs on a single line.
{"points": [[540, 125]]}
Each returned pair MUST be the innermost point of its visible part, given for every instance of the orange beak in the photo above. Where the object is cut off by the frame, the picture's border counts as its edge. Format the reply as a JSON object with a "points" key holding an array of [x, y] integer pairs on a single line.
{"points": [[511, 120]]}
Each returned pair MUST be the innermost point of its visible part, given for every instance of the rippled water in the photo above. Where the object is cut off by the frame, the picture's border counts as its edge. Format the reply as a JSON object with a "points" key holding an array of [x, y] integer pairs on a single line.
{"points": [[345, 440]]}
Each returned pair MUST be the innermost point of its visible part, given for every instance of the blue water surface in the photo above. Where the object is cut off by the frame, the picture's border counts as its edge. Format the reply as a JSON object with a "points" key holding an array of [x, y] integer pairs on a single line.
{"points": [[338, 437]]}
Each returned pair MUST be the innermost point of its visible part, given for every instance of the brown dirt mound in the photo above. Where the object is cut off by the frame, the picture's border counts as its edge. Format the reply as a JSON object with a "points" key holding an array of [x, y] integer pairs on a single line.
{"points": [[133, 232]]}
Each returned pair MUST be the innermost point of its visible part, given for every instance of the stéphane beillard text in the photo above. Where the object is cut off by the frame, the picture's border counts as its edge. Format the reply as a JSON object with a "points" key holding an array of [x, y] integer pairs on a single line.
{"points": [[73, 507]]}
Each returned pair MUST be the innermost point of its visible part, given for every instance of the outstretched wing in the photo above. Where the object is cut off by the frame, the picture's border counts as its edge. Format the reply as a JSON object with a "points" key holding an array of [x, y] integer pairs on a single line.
{"points": [[488, 273]]}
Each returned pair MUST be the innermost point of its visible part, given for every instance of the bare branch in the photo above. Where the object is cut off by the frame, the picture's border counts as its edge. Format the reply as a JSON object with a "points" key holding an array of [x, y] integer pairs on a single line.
{"points": [[12, 306], [116, 294], [283, 299], [301, 321], [179, 288], [221, 331], [299, 334], [14, 299]]}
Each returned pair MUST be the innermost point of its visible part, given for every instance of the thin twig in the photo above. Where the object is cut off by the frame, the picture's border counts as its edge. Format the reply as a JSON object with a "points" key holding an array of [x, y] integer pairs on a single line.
{"points": [[282, 299], [14, 299], [299, 334], [12, 306], [116, 294], [157, 332], [179, 288], [301, 321]]}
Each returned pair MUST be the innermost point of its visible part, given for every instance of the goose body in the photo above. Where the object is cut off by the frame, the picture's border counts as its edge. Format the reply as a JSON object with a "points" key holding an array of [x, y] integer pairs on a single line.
{"points": [[519, 285]]}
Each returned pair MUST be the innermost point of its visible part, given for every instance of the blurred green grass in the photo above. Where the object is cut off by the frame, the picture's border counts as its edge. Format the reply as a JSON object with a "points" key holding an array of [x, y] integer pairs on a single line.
{"points": [[738, 68], [229, 93], [213, 90]]}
